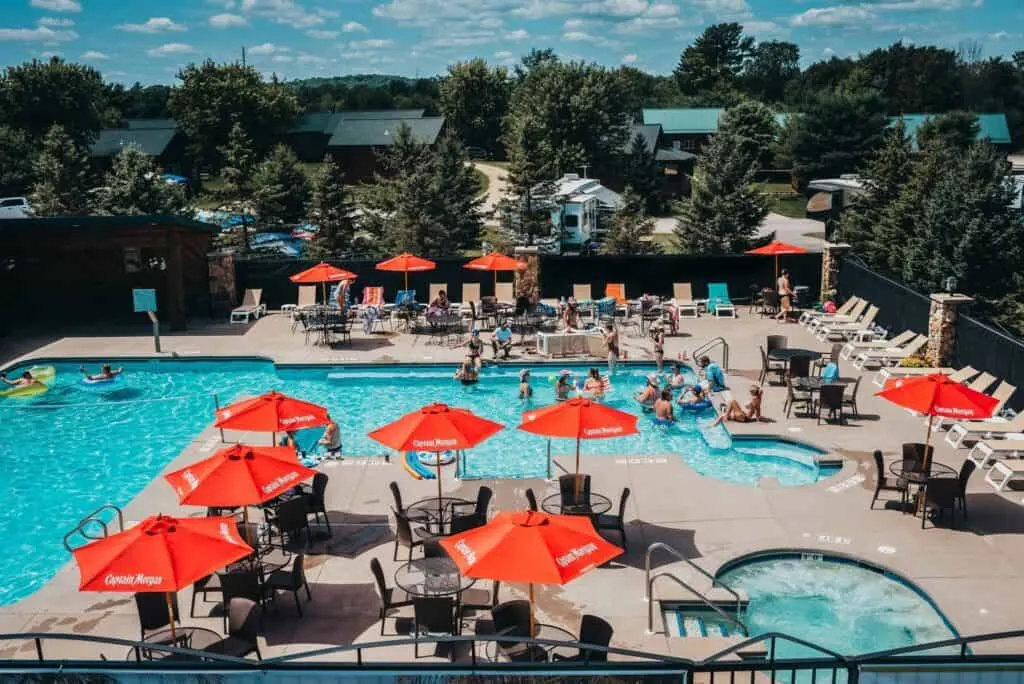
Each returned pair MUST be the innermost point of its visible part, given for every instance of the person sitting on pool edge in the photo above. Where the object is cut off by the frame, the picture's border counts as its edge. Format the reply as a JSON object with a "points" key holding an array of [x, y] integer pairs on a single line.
{"points": [[663, 410], [331, 441], [501, 340], [467, 373], [106, 373], [714, 378], [594, 385], [749, 414], [25, 380], [562, 386], [525, 391], [649, 394]]}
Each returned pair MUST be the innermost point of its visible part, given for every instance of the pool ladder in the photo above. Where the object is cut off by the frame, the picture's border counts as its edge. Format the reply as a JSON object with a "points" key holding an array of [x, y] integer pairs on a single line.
{"points": [[86, 525], [649, 587], [711, 345]]}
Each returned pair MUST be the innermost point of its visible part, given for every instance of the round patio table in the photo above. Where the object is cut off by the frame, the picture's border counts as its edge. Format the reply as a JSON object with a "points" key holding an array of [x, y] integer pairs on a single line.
{"points": [[539, 653], [918, 477], [432, 577], [789, 352], [435, 512], [598, 504], [195, 638], [814, 384]]}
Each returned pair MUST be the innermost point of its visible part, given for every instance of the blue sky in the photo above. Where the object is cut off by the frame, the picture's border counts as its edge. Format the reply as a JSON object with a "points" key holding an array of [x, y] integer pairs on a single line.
{"points": [[148, 40]]}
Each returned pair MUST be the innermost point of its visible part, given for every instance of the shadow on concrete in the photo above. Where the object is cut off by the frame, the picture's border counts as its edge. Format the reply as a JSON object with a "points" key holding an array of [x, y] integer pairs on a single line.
{"points": [[337, 615], [990, 513], [641, 535], [351, 535]]}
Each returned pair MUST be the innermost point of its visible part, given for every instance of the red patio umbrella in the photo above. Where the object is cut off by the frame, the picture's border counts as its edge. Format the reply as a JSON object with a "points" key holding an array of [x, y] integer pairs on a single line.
{"points": [[271, 412], [160, 554], [437, 427], [530, 547], [323, 273], [579, 418], [776, 248], [496, 262], [406, 263]]}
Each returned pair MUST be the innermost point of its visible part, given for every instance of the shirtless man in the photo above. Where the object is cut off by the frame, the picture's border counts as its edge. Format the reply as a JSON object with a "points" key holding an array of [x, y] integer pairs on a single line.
{"points": [[663, 410]]}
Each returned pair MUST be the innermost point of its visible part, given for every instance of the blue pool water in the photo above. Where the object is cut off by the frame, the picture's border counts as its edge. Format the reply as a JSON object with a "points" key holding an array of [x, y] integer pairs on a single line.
{"points": [[842, 606], [76, 448]]}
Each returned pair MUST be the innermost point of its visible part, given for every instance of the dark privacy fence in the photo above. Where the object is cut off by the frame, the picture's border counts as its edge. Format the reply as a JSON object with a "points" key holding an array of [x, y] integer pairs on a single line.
{"points": [[655, 274], [899, 307], [641, 274], [992, 351]]}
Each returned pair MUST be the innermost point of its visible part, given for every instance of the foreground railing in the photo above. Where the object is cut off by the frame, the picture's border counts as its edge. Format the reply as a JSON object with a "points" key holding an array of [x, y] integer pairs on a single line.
{"points": [[356, 660]]}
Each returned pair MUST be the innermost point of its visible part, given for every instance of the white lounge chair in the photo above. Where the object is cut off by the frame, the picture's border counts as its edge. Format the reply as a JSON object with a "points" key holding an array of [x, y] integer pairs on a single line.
{"points": [[505, 293], [852, 317], [890, 356], [682, 299], [434, 289], [470, 295], [1001, 475], [583, 292], [852, 347], [886, 373], [250, 308], [306, 299], [829, 329], [984, 429], [985, 452], [844, 310]]}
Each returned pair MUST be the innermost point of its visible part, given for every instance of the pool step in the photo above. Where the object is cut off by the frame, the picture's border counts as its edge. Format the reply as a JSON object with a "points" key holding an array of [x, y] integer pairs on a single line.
{"points": [[699, 627], [695, 620]]}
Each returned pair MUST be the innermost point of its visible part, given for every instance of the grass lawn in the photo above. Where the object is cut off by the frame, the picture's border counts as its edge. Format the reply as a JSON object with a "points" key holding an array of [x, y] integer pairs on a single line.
{"points": [[793, 208]]}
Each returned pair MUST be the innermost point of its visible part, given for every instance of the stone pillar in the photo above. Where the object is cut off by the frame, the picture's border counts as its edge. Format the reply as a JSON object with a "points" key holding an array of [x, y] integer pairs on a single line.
{"points": [[528, 281], [942, 317], [830, 257]]}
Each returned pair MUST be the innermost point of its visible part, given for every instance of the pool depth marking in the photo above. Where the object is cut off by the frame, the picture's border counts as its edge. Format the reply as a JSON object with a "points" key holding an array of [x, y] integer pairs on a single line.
{"points": [[848, 483], [641, 460], [830, 539]]}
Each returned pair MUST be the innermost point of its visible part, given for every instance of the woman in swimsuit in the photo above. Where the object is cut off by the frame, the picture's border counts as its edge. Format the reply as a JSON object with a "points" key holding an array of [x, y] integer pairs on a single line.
{"points": [[466, 373], [476, 350], [658, 334], [611, 338], [562, 387], [593, 384], [740, 414]]}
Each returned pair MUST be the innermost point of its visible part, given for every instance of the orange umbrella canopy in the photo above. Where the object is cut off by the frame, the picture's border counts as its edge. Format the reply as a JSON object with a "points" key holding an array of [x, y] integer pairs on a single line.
{"points": [[579, 418], [322, 273], [271, 412], [496, 262], [437, 427], [161, 553], [938, 395], [239, 475], [406, 263], [775, 248]]}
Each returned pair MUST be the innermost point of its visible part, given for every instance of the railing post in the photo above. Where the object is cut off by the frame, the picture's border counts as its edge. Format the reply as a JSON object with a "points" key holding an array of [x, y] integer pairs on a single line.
{"points": [[549, 461], [39, 648], [216, 407]]}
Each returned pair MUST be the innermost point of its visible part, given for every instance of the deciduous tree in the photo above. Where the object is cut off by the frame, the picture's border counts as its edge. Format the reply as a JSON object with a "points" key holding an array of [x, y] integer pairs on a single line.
{"points": [[771, 66], [37, 95], [61, 176], [135, 186], [753, 125], [474, 99]]}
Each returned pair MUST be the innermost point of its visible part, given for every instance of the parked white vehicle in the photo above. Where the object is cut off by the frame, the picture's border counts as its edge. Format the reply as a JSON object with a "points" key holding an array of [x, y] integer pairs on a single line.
{"points": [[14, 208]]}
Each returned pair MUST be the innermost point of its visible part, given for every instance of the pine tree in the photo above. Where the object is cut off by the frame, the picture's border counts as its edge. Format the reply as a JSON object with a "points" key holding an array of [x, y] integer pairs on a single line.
{"points": [[630, 229], [331, 210], [458, 190], [135, 186], [526, 214], [641, 173], [282, 189], [236, 189], [61, 173], [724, 209]]}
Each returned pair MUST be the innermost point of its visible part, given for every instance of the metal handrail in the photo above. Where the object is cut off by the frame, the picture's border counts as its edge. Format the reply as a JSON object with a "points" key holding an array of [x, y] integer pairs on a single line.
{"points": [[650, 602], [94, 518], [711, 344], [678, 554]]}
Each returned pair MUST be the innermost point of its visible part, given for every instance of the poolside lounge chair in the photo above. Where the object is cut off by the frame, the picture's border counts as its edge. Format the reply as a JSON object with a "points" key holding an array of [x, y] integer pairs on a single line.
{"points": [[470, 297], [985, 429], [858, 310], [251, 307], [851, 348], [682, 298], [306, 299], [985, 452], [583, 292], [719, 302], [844, 310], [434, 289], [830, 329], [616, 290], [1002, 474], [505, 293], [889, 356], [884, 374]]}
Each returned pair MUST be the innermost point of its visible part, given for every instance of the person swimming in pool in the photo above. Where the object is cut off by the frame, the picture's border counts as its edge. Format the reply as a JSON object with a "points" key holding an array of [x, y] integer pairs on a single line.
{"points": [[663, 410], [331, 441], [677, 379], [562, 387], [750, 413], [525, 391], [25, 380], [106, 373], [594, 385], [466, 374], [692, 395], [649, 394]]}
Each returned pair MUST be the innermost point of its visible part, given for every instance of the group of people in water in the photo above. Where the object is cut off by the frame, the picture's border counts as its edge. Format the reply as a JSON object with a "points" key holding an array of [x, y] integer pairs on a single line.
{"points": [[26, 379], [656, 397]]}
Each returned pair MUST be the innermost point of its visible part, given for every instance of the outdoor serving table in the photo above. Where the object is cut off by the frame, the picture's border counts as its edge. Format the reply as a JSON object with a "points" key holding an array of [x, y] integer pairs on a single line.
{"points": [[814, 384], [432, 577], [539, 653], [578, 343], [436, 512], [919, 477], [598, 504], [789, 352], [196, 638]]}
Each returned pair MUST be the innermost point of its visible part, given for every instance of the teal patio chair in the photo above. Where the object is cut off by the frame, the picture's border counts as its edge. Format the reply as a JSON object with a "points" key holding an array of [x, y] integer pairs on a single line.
{"points": [[719, 302]]}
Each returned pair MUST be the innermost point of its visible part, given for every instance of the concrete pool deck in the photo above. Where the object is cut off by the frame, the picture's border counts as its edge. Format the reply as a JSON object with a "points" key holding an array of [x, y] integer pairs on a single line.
{"points": [[974, 574]]}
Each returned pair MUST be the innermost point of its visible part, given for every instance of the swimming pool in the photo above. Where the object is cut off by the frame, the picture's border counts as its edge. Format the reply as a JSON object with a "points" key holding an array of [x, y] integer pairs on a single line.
{"points": [[846, 606], [75, 448]]}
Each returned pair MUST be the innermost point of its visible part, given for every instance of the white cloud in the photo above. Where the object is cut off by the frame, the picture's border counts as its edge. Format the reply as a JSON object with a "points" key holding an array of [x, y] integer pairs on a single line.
{"points": [[661, 10], [306, 58], [152, 25], [265, 49], [503, 54], [94, 56], [282, 58], [354, 27], [227, 20], [630, 58], [286, 12], [518, 34], [1004, 35], [58, 5], [577, 35], [828, 52], [56, 21], [169, 49], [321, 34], [226, 4], [762, 28], [917, 5], [372, 43], [42, 34], [832, 16], [573, 24], [50, 55]]}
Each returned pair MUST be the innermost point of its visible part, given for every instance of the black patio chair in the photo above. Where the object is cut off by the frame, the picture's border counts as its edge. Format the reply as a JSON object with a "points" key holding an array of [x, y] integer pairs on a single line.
{"points": [[290, 518], [851, 398], [607, 521], [489, 311], [390, 599], [480, 599], [769, 366], [833, 357], [918, 457], [769, 304], [404, 535], [243, 631], [432, 549], [883, 483], [153, 612], [830, 399], [940, 494], [794, 397], [293, 580], [799, 367], [244, 584], [594, 631], [396, 493], [316, 504], [531, 500], [461, 523], [433, 616], [205, 586], [476, 316], [773, 342], [512, 618], [961, 491], [567, 488], [479, 514]]}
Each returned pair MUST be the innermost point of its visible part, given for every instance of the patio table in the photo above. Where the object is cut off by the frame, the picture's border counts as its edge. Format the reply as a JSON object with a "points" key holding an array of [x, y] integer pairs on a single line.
{"points": [[435, 512], [539, 653], [919, 477], [432, 577], [598, 504], [196, 638]]}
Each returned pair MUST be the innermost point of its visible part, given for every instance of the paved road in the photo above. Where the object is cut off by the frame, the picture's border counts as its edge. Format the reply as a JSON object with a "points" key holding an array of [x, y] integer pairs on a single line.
{"points": [[789, 230], [496, 188]]}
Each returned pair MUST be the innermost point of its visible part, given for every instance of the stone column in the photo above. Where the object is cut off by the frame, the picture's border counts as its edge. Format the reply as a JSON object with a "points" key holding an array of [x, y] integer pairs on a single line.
{"points": [[942, 317], [830, 257], [528, 281]]}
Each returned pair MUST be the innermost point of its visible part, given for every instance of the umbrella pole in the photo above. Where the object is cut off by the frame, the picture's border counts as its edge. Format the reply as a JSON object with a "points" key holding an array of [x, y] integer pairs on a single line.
{"points": [[170, 615], [578, 482], [495, 284], [927, 449], [532, 619], [437, 464], [406, 279]]}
